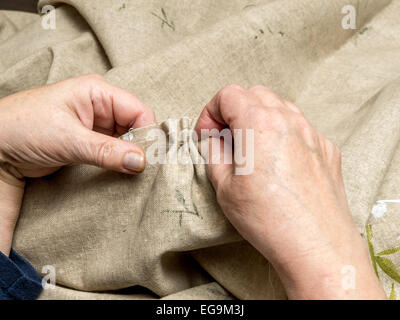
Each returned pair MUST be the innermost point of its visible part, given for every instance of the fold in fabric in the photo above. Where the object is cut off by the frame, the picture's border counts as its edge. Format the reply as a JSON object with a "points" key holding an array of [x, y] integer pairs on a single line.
{"points": [[105, 231], [156, 237]]}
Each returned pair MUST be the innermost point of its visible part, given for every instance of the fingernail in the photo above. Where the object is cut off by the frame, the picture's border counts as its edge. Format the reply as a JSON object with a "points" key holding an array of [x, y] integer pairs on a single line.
{"points": [[134, 162]]}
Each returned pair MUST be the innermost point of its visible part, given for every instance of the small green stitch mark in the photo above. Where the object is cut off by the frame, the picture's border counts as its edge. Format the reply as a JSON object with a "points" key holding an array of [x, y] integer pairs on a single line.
{"points": [[122, 7], [363, 30], [164, 19], [248, 6], [393, 293], [269, 29], [281, 33], [261, 31]]}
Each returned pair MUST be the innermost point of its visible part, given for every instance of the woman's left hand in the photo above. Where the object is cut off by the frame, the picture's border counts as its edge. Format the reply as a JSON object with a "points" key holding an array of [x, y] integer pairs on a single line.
{"points": [[72, 121]]}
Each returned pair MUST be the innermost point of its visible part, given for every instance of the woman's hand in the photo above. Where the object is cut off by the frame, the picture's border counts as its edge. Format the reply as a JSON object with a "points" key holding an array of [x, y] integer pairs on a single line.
{"points": [[72, 121], [293, 207]]}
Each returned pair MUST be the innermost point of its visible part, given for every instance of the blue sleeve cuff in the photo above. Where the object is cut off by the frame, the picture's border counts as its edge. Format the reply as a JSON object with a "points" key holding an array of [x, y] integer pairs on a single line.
{"points": [[18, 279]]}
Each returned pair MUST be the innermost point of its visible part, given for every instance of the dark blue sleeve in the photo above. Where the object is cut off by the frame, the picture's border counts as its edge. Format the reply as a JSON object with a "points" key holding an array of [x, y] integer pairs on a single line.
{"points": [[18, 279]]}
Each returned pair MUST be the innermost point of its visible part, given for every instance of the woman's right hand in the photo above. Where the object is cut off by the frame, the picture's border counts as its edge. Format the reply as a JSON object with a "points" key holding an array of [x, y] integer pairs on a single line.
{"points": [[293, 206]]}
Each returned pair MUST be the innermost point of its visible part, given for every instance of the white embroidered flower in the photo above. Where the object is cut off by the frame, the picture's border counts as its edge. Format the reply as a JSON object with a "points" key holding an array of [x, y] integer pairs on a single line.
{"points": [[379, 210]]}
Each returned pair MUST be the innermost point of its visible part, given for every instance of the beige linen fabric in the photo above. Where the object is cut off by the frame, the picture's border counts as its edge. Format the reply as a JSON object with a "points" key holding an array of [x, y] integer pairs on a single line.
{"points": [[105, 232]]}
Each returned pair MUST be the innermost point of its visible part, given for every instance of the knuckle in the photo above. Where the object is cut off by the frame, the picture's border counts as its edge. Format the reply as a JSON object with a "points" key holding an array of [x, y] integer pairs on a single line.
{"points": [[234, 87], [101, 101], [90, 80], [259, 87], [93, 77], [229, 93], [265, 93], [293, 107], [259, 113], [268, 118], [277, 120], [310, 135], [103, 152], [303, 124]]}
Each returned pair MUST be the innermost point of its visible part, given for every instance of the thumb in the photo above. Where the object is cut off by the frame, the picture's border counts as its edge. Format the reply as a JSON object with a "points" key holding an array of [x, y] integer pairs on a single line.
{"points": [[109, 153]]}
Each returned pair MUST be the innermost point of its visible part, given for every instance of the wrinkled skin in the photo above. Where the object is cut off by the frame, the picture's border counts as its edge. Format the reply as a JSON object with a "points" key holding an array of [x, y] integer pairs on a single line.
{"points": [[72, 121], [293, 206]]}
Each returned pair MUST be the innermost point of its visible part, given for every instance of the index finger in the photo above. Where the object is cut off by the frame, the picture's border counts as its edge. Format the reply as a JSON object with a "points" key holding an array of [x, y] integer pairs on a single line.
{"points": [[123, 110], [226, 109], [108, 109]]}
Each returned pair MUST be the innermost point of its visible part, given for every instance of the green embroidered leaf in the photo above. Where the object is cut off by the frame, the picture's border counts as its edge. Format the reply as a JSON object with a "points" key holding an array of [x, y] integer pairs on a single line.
{"points": [[389, 268], [393, 293], [388, 251], [371, 248]]}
